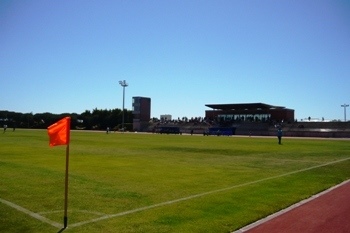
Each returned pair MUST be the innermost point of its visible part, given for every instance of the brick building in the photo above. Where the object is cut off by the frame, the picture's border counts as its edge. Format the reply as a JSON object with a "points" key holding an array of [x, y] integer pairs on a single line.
{"points": [[141, 110]]}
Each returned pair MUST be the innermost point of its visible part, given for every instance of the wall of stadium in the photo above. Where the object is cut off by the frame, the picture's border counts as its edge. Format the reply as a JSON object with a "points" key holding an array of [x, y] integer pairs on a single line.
{"points": [[279, 115]]}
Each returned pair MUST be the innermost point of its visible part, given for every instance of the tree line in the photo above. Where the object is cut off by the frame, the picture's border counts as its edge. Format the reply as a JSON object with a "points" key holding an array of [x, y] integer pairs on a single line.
{"points": [[97, 119]]}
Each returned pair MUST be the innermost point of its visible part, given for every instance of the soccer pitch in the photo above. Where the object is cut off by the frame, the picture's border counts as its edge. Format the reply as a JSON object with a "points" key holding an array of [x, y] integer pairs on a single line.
{"points": [[135, 182]]}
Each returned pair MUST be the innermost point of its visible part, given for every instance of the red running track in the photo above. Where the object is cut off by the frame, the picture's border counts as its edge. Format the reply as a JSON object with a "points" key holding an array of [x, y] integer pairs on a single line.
{"points": [[327, 212]]}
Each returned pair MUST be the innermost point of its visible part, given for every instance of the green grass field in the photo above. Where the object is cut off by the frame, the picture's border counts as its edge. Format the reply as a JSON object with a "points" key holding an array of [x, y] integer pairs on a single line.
{"points": [[159, 183]]}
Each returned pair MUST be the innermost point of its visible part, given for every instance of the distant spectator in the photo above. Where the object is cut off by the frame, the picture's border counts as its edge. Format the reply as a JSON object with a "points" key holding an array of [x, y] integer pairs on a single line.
{"points": [[279, 135]]}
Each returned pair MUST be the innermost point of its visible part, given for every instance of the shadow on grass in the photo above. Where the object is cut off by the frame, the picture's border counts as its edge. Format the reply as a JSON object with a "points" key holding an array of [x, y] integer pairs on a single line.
{"points": [[62, 230]]}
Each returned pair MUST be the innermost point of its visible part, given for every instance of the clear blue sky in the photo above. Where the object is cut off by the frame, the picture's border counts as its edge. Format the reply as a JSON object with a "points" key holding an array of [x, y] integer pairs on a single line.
{"points": [[68, 56]]}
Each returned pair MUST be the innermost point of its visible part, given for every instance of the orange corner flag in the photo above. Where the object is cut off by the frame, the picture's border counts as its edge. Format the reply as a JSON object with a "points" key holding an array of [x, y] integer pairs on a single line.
{"points": [[59, 132]]}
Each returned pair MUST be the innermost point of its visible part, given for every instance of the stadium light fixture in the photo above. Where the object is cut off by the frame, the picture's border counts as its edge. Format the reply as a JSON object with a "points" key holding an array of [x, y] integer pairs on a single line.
{"points": [[344, 106], [123, 84]]}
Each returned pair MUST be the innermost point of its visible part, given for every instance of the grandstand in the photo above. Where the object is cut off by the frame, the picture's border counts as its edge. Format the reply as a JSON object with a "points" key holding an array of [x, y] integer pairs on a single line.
{"points": [[254, 119], [249, 112]]}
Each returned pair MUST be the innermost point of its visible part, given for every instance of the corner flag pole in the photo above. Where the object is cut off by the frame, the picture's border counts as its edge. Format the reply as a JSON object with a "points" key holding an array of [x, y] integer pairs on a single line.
{"points": [[65, 218], [59, 134]]}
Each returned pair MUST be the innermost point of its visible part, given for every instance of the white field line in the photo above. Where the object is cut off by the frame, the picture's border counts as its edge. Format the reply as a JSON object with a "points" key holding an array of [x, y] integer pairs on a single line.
{"points": [[200, 194], [57, 225], [31, 214]]}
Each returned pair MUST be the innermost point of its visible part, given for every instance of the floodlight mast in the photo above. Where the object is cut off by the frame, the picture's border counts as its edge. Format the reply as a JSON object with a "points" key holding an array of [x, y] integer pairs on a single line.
{"points": [[123, 84], [344, 106]]}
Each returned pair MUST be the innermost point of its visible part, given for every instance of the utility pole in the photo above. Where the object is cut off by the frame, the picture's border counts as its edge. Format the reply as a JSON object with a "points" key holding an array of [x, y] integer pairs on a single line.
{"points": [[344, 106], [123, 84]]}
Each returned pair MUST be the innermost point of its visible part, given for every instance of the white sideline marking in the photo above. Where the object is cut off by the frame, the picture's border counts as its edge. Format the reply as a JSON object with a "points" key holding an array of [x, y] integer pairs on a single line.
{"points": [[32, 214], [200, 195], [57, 225]]}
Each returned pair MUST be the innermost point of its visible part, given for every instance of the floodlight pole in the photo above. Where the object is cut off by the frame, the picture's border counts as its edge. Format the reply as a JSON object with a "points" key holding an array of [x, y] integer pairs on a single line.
{"points": [[344, 106], [123, 84]]}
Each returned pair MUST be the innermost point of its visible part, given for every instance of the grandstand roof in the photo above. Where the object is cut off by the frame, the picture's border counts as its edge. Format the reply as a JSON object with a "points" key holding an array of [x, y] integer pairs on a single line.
{"points": [[247, 106]]}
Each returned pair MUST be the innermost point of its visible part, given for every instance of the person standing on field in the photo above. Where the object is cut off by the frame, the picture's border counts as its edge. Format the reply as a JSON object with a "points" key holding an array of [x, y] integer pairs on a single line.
{"points": [[279, 135]]}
